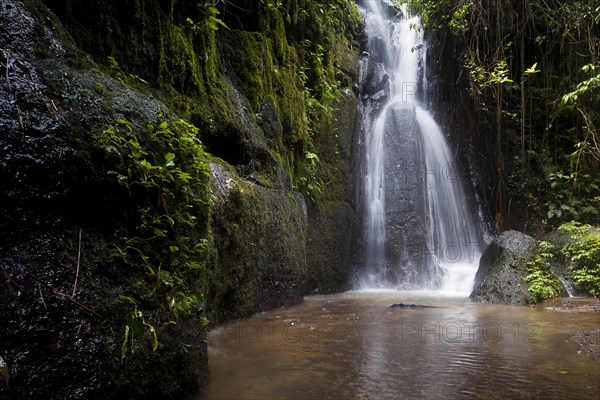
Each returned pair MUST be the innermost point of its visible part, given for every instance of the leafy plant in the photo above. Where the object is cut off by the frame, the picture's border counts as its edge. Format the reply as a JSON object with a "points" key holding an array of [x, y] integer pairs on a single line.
{"points": [[482, 77], [583, 87], [543, 283], [135, 330], [118, 73], [459, 21], [434, 14], [583, 250], [211, 18], [272, 4], [308, 179], [572, 197], [163, 167]]}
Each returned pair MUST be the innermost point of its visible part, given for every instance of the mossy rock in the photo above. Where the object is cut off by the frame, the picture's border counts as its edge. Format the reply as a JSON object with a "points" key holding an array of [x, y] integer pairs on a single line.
{"points": [[260, 239]]}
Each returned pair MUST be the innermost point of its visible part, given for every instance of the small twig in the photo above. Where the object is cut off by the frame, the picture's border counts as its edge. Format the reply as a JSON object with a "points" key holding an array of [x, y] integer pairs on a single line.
{"points": [[71, 299], [470, 145], [42, 296], [78, 261], [79, 328], [52, 109]]}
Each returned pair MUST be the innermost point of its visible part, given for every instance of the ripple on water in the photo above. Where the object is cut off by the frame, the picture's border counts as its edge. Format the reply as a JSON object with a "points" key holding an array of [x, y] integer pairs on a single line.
{"points": [[354, 346]]}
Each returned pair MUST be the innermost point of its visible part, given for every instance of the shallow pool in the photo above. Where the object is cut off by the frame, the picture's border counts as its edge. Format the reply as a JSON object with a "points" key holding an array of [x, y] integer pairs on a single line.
{"points": [[355, 346]]}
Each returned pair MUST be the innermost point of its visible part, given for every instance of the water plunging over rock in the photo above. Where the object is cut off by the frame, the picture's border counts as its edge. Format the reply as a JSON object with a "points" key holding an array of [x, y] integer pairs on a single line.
{"points": [[419, 230]]}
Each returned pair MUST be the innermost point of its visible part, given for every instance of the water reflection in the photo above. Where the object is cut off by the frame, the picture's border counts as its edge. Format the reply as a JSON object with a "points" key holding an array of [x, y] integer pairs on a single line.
{"points": [[354, 346]]}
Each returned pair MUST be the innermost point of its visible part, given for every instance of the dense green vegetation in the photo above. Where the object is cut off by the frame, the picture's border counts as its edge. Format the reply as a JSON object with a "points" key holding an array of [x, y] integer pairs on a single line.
{"points": [[532, 70], [582, 253], [577, 257], [189, 54], [164, 170], [543, 283], [264, 110], [286, 82], [166, 151]]}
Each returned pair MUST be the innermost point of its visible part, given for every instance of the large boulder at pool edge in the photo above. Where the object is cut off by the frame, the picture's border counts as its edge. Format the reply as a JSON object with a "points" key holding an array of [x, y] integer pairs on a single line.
{"points": [[502, 270]]}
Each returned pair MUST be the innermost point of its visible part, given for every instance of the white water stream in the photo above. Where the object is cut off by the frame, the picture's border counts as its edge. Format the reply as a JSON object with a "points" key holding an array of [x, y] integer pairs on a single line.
{"points": [[452, 238]]}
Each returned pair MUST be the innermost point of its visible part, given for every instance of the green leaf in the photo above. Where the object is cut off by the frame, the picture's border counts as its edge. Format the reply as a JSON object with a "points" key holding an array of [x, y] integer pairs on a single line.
{"points": [[586, 68], [218, 21], [532, 70], [146, 165], [131, 300], [154, 337], [170, 159], [568, 99], [136, 323], [124, 346]]}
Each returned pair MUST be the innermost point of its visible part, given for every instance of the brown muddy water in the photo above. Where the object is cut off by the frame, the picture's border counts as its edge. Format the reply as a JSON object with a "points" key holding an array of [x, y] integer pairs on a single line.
{"points": [[355, 346]]}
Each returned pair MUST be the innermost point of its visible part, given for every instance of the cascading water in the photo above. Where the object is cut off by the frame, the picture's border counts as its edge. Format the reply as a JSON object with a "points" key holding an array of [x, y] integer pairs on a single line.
{"points": [[419, 226]]}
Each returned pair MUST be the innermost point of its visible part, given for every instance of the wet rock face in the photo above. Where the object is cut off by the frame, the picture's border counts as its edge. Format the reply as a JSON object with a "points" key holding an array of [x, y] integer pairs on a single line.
{"points": [[30, 140], [60, 212], [502, 270], [406, 243], [60, 340], [374, 79], [259, 236]]}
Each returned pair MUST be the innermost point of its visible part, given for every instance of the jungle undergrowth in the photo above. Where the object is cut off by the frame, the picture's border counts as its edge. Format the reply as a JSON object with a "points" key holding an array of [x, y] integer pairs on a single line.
{"points": [[164, 170]]}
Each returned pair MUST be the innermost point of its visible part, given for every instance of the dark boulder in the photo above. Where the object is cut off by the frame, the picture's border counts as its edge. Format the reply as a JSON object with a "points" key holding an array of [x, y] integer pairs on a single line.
{"points": [[410, 306], [503, 268]]}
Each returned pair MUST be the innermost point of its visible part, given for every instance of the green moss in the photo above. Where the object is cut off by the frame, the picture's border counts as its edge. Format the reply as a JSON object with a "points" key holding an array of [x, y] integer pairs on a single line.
{"points": [[99, 88], [272, 23], [291, 100], [260, 239], [253, 66], [296, 57]]}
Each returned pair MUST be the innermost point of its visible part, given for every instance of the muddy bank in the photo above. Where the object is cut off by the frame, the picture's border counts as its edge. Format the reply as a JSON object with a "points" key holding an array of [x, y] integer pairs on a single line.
{"points": [[589, 341]]}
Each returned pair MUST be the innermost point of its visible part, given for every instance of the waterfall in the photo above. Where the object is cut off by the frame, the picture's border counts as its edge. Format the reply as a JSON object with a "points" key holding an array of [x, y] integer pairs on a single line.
{"points": [[420, 230], [567, 285]]}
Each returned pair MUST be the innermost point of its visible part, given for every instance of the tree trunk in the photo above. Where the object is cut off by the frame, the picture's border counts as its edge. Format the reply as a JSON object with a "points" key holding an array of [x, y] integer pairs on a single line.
{"points": [[499, 137]]}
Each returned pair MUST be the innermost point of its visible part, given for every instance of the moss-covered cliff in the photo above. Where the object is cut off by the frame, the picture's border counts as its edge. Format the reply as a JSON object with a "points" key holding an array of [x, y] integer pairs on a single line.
{"points": [[164, 166]]}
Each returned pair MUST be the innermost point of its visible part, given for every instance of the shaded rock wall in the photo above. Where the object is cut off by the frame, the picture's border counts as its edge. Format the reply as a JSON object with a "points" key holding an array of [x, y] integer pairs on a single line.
{"points": [[260, 241], [331, 228], [61, 216], [66, 215]]}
